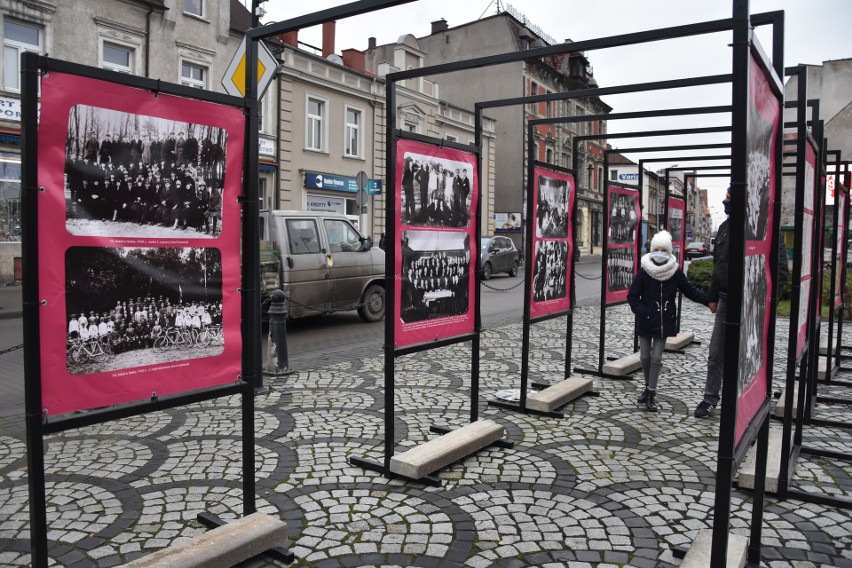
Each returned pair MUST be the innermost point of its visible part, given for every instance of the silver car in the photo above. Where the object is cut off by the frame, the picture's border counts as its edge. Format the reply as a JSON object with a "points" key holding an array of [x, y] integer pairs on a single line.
{"points": [[326, 264], [498, 254]]}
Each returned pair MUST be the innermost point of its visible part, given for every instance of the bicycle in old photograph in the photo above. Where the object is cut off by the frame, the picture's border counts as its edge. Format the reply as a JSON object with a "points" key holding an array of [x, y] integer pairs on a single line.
{"points": [[81, 351]]}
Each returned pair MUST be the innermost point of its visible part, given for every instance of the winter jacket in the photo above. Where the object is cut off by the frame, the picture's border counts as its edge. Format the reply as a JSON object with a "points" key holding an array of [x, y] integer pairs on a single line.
{"points": [[721, 255], [654, 302]]}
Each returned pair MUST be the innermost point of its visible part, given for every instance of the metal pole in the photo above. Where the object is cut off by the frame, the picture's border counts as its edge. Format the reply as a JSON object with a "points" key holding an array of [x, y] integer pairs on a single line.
{"points": [[277, 357], [30, 68], [530, 267], [739, 184], [474, 246], [391, 215]]}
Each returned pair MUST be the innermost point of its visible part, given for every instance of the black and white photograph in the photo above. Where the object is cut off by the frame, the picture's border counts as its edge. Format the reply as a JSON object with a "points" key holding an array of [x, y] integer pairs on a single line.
{"points": [[676, 225], [619, 268], [551, 261], [131, 175], [759, 163], [436, 191], [435, 275], [755, 287], [135, 307], [552, 208], [622, 219]]}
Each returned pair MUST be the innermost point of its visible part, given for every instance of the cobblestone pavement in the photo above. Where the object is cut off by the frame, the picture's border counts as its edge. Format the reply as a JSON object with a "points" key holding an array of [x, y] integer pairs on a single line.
{"points": [[609, 485]]}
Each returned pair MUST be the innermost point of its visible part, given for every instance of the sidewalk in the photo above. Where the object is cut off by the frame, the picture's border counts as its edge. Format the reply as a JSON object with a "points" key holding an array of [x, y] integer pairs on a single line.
{"points": [[607, 486]]}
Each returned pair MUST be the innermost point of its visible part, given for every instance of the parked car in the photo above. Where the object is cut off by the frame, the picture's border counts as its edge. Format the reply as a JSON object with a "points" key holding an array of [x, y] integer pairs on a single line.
{"points": [[498, 254], [325, 263], [696, 250]]}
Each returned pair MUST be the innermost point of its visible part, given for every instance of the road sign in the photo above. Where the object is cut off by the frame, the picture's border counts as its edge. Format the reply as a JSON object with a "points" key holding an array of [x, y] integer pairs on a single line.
{"points": [[362, 179], [234, 80]]}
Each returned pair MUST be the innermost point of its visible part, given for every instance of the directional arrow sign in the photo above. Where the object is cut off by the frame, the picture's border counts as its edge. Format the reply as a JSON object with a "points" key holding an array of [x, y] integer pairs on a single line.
{"points": [[234, 80]]}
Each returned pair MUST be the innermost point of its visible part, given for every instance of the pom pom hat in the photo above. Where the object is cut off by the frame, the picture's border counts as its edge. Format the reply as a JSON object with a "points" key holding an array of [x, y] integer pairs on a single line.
{"points": [[663, 239]]}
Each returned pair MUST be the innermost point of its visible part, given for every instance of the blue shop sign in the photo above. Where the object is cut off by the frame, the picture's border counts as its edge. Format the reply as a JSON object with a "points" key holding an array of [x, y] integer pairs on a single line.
{"points": [[316, 180]]}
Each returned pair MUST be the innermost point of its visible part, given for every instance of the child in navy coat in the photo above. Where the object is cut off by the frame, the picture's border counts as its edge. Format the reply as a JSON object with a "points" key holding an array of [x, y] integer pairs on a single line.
{"points": [[652, 298]]}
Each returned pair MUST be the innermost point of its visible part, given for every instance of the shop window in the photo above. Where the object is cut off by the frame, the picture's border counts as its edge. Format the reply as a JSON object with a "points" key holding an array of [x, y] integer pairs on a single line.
{"points": [[17, 38]]}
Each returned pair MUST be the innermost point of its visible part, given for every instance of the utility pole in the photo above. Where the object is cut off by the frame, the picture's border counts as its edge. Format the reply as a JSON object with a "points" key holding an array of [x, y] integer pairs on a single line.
{"points": [[256, 12]]}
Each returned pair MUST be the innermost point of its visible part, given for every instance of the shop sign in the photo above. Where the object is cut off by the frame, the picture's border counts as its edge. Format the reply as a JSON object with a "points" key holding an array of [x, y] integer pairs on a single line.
{"points": [[314, 180], [325, 204]]}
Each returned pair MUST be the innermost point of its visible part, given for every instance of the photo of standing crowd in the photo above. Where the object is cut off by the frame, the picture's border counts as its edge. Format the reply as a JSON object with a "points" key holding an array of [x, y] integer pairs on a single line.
{"points": [[435, 275], [137, 307], [135, 175], [551, 260], [623, 218], [620, 264], [552, 209], [755, 287], [436, 191]]}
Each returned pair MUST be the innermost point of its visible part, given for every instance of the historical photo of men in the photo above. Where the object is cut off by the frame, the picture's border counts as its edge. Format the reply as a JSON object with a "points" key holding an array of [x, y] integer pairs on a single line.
{"points": [[619, 268], [435, 275], [755, 287], [552, 208], [129, 308], [623, 219], [141, 176], [760, 135], [551, 260], [436, 191]]}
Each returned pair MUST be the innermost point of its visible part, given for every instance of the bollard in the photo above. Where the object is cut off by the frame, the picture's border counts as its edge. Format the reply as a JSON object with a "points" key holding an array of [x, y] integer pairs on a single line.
{"points": [[277, 360]]}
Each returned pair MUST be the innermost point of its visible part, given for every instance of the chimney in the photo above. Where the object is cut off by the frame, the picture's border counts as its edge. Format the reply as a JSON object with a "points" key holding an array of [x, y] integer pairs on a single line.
{"points": [[371, 44], [439, 25], [328, 38], [354, 59], [292, 38]]}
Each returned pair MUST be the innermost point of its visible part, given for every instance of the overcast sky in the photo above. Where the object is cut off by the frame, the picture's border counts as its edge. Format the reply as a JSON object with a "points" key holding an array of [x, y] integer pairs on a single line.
{"points": [[815, 31]]}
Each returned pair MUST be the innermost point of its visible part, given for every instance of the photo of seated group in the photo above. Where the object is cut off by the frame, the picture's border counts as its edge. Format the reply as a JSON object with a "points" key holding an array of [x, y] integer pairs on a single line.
{"points": [[436, 191], [130, 175], [130, 308], [435, 274]]}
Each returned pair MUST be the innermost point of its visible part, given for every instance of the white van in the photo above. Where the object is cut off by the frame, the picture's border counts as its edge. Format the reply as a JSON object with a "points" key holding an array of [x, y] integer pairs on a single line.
{"points": [[326, 264]]}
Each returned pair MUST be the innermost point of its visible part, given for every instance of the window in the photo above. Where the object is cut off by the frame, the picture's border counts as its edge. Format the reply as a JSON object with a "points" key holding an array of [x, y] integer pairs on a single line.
{"points": [[548, 156], [352, 147], [314, 126], [303, 236], [613, 175], [17, 38], [194, 7], [410, 126], [117, 58], [193, 75], [341, 236], [451, 138]]}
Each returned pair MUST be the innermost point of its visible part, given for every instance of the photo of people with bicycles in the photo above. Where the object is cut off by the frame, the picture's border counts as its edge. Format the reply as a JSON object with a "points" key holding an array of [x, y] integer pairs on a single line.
{"points": [[130, 308]]}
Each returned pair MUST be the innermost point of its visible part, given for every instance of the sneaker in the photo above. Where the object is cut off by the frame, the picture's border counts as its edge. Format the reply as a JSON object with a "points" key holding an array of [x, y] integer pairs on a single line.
{"points": [[704, 409]]}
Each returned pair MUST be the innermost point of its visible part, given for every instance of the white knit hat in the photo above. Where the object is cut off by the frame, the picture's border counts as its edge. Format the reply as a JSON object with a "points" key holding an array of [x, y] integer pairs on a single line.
{"points": [[662, 239]]}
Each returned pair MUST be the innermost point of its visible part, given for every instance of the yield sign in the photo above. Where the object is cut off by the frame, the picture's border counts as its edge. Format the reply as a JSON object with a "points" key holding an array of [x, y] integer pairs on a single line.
{"points": [[234, 80]]}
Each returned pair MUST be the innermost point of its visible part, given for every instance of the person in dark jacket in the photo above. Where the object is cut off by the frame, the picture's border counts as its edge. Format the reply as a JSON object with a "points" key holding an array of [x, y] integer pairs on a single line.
{"points": [[652, 298], [718, 296]]}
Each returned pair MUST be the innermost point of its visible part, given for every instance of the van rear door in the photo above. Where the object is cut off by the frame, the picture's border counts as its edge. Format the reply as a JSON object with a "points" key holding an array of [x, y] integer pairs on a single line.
{"points": [[305, 275]]}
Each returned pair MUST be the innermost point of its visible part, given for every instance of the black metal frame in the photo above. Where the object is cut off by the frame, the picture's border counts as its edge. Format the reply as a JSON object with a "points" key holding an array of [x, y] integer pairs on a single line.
{"points": [[37, 424]]}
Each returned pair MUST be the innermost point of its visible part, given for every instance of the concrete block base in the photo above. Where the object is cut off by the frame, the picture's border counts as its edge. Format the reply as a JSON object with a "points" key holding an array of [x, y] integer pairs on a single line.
{"points": [[699, 553], [221, 547], [623, 366], [680, 340], [746, 475], [822, 368], [561, 393], [780, 406], [424, 459]]}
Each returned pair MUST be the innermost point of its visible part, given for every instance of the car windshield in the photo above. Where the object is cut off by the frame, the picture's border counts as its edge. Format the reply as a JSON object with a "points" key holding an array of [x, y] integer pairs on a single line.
{"points": [[695, 245]]}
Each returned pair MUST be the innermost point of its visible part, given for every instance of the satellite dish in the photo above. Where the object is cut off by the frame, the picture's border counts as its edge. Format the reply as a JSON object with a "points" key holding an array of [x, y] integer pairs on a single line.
{"points": [[336, 59]]}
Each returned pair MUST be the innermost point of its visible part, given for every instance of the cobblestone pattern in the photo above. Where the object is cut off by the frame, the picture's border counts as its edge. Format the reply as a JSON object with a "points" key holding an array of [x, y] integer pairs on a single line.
{"points": [[606, 486]]}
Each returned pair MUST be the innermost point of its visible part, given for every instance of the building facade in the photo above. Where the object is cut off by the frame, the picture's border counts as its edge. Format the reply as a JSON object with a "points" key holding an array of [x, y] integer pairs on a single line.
{"points": [[190, 42], [507, 32], [332, 124]]}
